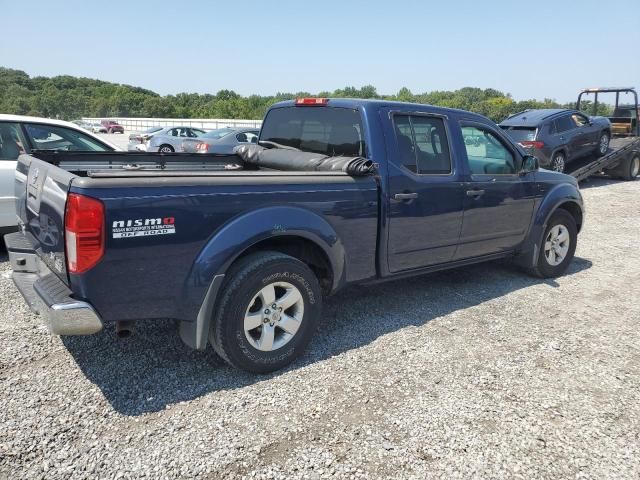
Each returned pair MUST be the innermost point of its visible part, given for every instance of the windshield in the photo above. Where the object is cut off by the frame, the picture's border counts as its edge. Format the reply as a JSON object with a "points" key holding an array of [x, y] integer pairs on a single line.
{"points": [[153, 130], [521, 134], [216, 134], [326, 130]]}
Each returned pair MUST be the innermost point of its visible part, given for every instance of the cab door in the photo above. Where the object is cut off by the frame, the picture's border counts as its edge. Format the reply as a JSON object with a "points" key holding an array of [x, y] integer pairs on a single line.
{"points": [[498, 201], [425, 193], [11, 146]]}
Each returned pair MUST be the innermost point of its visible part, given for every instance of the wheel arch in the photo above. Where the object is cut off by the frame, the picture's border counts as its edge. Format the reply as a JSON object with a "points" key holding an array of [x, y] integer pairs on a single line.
{"points": [[295, 231], [564, 196]]}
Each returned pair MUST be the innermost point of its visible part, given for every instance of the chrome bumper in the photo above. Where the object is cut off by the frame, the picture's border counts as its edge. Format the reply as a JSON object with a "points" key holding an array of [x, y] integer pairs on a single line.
{"points": [[46, 294]]}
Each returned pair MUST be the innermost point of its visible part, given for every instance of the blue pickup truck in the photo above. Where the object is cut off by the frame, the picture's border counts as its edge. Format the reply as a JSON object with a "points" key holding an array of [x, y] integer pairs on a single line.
{"points": [[241, 254]]}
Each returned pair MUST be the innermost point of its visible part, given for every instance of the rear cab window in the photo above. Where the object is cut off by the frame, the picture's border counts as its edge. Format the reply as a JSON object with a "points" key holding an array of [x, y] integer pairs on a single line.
{"points": [[332, 131]]}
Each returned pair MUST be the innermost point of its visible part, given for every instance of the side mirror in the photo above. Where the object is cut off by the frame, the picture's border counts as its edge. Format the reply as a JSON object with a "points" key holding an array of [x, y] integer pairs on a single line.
{"points": [[529, 164]]}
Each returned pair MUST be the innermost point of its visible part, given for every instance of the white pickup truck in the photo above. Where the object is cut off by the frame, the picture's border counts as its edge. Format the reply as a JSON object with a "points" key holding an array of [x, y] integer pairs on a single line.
{"points": [[21, 134]]}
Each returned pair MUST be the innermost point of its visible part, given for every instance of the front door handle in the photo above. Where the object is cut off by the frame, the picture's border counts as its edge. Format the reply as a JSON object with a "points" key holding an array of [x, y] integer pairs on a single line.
{"points": [[405, 196], [475, 193]]}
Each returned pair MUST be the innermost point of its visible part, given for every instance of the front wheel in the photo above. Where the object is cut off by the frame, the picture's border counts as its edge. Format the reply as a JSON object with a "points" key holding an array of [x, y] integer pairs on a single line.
{"points": [[267, 313], [603, 144], [558, 246]]}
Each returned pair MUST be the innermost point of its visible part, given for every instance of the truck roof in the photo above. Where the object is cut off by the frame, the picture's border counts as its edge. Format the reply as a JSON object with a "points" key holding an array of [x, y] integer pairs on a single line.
{"points": [[375, 104], [534, 117]]}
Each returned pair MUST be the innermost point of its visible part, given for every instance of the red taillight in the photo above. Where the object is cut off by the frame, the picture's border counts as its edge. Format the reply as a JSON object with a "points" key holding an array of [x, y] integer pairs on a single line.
{"points": [[83, 232], [531, 144], [312, 101], [202, 147]]}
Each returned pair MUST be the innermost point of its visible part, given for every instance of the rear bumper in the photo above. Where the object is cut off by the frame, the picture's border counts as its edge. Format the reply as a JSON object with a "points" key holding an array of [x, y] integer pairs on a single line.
{"points": [[46, 294]]}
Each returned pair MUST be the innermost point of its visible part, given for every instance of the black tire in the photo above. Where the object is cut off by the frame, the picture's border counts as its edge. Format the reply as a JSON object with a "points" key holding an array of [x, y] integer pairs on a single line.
{"points": [[558, 162], [544, 268], [242, 288], [166, 148], [630, 168], [603, 144]]}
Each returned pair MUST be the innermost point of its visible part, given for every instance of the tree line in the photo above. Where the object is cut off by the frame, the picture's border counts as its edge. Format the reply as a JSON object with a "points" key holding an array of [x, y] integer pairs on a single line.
{"points": [[67, 97]]}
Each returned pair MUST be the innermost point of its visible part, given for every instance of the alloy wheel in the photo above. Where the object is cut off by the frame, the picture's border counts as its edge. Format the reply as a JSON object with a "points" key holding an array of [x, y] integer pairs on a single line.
{"points": [[273, 316], [557, 164], [556, 245], [604, 144]]}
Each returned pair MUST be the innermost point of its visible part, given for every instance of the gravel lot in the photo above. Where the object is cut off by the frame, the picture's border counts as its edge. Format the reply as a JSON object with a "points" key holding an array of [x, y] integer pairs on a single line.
{"points": [[481, 372]]}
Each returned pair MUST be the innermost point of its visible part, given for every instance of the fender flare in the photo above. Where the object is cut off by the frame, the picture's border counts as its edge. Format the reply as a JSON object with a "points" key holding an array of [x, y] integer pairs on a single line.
{"points": [[561, 194], [230, 241]]}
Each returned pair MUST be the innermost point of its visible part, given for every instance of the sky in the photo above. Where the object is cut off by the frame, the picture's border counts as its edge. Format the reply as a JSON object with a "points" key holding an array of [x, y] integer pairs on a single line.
{"points": [[530, 49]]}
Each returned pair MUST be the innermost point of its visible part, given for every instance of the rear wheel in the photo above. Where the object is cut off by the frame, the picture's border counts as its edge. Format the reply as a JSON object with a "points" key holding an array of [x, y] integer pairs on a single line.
{"points": [[631, 168], [603, 144], [166, 149], [558, 162], [558, 246], [267, 312]]}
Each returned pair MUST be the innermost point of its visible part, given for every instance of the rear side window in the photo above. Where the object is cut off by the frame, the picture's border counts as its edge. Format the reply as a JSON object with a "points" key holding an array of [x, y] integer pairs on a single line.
{"points": [[325, 130], [11, 141], [422, 142], [564, 124]]}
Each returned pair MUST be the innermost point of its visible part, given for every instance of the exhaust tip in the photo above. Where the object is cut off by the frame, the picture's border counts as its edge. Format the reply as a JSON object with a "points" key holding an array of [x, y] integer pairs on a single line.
{"points": [[123, 329]]}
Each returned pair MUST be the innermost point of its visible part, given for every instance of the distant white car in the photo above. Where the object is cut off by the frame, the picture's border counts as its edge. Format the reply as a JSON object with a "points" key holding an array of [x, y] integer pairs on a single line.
{"points": [[20, 134], [163, 140], [97, 128]]}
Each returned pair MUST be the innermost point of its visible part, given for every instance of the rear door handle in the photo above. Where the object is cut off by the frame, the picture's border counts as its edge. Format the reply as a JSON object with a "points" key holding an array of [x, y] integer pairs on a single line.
{"points": [[405, 196], [475, 193]]}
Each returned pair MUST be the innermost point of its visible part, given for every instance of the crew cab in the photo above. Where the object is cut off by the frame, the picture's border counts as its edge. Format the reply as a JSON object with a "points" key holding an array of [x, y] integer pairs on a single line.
{"points": [[241, 251]]}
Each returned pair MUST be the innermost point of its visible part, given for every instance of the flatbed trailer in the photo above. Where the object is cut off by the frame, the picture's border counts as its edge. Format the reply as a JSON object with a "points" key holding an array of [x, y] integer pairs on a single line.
{"points": [[622, 160]]}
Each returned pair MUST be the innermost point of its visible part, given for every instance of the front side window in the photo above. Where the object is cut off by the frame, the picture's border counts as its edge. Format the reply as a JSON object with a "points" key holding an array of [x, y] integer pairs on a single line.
{"points": [[51, 137], [422, 144], [325, 130], [579, 119], [486, 153], [11, 141]]}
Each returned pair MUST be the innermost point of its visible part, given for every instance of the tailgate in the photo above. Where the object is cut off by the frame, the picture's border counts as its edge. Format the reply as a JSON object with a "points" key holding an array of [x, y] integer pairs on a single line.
{"points": [[41, 191]]}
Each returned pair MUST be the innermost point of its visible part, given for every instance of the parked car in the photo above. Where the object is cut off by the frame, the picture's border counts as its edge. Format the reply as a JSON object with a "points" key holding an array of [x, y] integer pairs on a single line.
{"points": [[20, 134], [97, 128], [243, 259], [558, 136], [221, 140], [164, 140], [112, 126]]}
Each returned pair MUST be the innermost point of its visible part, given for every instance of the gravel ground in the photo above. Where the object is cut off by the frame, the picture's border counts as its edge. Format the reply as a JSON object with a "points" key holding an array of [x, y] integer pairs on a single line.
{"points": [[481, 372]]}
